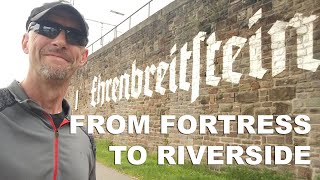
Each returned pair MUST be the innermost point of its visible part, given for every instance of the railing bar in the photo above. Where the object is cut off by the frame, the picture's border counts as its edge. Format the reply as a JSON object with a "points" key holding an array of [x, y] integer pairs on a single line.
{"points": [[122, 22], [115, 28]]}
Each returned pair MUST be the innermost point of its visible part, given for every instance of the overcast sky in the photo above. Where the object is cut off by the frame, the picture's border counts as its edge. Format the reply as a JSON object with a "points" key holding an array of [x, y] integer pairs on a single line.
{"points": [[13, 15]]}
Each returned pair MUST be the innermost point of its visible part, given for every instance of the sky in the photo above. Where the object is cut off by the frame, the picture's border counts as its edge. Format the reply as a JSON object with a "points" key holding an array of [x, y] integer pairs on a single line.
{"points": [[14, 14]]}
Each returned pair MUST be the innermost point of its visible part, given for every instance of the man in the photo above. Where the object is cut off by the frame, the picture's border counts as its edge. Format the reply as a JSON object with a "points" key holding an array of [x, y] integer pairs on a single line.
{"points": [[34, 118]]}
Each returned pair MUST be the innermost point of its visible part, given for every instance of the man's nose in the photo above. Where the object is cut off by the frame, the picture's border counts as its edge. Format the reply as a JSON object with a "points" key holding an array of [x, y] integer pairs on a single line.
{"points": [[60, 40]]}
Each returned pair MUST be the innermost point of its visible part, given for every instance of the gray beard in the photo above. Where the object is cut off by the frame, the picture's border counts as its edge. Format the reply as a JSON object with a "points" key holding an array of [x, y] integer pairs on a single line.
{"points": [[53, 73]]}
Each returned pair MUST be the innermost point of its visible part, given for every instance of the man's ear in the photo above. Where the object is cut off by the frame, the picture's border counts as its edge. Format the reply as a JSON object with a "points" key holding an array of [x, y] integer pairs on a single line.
{"points": [[84, 57], [24, 43]]}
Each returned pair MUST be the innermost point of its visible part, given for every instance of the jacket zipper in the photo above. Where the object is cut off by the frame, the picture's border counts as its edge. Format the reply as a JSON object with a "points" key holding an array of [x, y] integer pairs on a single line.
{"points": [[56, 145]]}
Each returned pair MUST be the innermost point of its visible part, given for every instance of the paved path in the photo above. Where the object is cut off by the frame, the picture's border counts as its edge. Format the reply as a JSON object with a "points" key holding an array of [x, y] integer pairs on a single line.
{"points": [[106, 173]]}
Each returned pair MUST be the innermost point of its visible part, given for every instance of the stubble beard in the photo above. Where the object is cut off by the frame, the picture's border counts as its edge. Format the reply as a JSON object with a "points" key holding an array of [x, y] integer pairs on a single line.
{"points": [[53, 73]]}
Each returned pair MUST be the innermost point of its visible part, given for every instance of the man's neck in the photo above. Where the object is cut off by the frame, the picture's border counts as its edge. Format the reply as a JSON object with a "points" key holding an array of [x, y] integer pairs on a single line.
{"points": [[47, 93]]}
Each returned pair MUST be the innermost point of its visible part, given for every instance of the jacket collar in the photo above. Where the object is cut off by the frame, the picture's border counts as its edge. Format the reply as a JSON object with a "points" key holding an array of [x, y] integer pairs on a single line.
{"points": [[21, 97]]}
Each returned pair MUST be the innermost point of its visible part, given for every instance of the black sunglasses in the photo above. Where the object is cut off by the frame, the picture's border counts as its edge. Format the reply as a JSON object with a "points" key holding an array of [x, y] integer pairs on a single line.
{"points": [[51, 30]]}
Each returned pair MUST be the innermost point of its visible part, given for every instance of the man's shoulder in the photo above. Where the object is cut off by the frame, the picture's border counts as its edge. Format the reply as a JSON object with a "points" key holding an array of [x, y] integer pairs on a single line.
{"points": [[6, 98], [91, 139]]}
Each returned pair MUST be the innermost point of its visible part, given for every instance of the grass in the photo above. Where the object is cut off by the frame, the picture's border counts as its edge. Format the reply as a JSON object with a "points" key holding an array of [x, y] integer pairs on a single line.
{"points": [[151, 170]]}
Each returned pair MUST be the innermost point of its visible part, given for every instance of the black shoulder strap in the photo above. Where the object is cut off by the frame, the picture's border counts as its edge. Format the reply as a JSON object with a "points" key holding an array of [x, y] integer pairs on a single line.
{"points": [[93, 145], [6, 98]]}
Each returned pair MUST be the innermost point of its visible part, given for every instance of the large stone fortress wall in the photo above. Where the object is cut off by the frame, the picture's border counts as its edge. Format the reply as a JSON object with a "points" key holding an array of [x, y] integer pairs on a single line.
{"points": [[213, 57]]}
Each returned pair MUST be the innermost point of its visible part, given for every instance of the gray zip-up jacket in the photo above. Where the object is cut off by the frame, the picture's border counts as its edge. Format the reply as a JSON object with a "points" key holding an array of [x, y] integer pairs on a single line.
{"points": [[32, 148]]}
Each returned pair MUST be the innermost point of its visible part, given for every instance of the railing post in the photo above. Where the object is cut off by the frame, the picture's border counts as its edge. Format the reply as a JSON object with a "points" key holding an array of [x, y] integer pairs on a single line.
{"points": [[149, 8], [101, 41], [115, 32]]}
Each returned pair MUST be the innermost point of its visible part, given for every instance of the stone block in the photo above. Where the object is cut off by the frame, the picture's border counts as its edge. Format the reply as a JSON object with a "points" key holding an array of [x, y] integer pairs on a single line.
{"points": [[205, 100], [313, 102], [299, 141], [282, 93], [262, 111], [314, 119], [225, 107], [304, 172], [247, 109], [314, 142], [282, 108], [275, 139], [247, 97]]}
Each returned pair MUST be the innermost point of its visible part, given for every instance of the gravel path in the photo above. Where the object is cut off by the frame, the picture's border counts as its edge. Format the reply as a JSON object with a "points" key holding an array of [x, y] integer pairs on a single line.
{"points": [[106, 173]]}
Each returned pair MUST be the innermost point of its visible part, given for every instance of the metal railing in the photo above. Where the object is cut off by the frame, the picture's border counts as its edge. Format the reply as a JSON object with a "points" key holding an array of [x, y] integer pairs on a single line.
{"points": [[135, 18]]}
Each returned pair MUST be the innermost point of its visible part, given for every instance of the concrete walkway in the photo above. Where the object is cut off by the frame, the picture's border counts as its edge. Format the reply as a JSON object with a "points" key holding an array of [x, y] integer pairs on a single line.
{"points": [[106, 173]]}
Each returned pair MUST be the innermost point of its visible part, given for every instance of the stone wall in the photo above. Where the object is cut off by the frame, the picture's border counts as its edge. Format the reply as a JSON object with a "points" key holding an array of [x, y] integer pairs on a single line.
{"points": [[236, 57]]}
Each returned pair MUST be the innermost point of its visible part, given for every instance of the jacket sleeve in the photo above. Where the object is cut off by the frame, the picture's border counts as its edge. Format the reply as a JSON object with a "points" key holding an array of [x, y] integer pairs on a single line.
{"points": [[92, 175]]}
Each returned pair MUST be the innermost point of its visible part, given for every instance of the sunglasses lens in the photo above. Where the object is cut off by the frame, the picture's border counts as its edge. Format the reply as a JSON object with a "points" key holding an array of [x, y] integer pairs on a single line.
{"points": [[76, 37], [45, 28], [52, 30]]}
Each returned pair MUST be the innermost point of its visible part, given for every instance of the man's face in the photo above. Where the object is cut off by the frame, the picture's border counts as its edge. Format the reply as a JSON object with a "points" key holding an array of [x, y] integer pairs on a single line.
{"points": [[55, 58]]}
